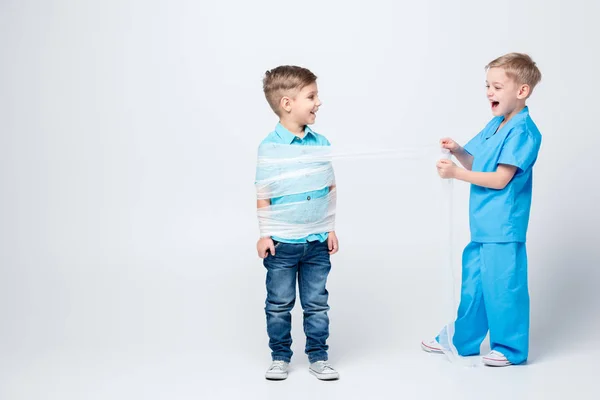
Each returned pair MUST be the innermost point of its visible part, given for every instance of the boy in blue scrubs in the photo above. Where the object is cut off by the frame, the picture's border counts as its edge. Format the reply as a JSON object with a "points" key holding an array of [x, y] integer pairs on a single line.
{"points": [[498, 163]]}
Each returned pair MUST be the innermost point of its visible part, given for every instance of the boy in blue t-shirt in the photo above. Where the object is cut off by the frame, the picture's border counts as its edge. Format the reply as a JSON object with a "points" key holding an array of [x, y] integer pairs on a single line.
{"points": [[292, 93]]}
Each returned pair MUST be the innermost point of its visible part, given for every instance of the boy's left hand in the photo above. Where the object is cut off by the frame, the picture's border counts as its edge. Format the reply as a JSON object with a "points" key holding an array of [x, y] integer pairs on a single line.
{"points": [[446, 169], [332, 243]]}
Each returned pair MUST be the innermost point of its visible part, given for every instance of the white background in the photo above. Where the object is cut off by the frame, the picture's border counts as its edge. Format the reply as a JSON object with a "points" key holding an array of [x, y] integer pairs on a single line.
{"points": [[128, 136]]}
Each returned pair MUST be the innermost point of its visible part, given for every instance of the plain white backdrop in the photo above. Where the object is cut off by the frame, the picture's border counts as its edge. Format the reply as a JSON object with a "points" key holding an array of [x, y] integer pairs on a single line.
{"points": [[128, 136]]}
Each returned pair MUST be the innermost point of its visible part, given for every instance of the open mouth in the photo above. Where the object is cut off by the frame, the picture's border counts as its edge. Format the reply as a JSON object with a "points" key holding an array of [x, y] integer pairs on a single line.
{"points": [[495, 104]]}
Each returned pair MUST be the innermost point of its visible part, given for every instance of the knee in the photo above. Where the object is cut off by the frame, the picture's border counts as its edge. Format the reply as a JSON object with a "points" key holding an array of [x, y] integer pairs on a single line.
{"points": [[315, 305], [314, 299], [280, 304]]}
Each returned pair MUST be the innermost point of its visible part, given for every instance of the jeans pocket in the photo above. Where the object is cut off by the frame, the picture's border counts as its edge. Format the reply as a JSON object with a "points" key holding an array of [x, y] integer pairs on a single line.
{"points": [[275, 247]]}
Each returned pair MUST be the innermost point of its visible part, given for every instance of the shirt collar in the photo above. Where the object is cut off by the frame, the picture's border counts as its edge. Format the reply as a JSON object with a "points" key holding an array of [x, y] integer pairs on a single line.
{"points": [[287, 136], [522, 114]]}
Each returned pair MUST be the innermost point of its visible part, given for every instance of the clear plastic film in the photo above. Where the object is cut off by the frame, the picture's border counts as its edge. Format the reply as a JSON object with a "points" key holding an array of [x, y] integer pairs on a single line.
{"points": [[447, 333], [284, 170], [299, 181], [299, 219]]}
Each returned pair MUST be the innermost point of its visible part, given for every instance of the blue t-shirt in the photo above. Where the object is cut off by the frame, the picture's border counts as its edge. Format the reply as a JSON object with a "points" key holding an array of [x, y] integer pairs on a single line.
{"points": [[497, 216], [283, 136]]}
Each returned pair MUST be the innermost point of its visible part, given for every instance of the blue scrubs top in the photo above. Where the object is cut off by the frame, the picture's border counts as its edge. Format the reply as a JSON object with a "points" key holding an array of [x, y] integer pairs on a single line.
{"points": [[497, 216]]}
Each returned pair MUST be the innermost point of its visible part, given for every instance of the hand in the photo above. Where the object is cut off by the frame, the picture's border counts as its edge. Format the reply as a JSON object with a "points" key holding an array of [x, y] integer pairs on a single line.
{"points": [[264, 245], [449, 144], [446, 169], [332, 243]]}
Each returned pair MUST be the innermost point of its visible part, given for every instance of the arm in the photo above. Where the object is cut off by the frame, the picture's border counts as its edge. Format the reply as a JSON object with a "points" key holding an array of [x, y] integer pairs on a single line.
{"points": [[332, 240], [263, 203], [493, 180], [465, 159], [264, 244]]}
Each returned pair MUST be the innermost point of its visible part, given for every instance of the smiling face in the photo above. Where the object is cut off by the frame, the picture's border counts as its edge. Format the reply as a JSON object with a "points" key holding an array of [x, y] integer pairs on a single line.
{"points": [[506, 96], [304, 105]]}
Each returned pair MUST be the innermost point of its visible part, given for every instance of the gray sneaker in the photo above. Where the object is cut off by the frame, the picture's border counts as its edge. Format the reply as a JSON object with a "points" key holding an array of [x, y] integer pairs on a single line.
{"points": [[277, 371], [323, 371]]}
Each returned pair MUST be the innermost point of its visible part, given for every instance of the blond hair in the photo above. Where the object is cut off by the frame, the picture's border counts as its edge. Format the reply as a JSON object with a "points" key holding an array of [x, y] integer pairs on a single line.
{"points": [[518, 66], [285, 80]]}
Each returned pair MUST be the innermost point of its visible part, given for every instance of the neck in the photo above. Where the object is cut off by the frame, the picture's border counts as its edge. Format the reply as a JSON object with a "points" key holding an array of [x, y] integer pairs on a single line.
{"points": [[514, 112], [293, 127]]}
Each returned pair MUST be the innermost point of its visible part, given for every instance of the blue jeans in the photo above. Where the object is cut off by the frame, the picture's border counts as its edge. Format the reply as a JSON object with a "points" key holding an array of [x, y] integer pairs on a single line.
{"points": [[309, 262]]}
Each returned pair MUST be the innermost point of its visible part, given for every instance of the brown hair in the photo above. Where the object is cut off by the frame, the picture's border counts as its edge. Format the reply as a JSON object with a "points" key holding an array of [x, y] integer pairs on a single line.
{"points": [[518, 66], [285, 80]]}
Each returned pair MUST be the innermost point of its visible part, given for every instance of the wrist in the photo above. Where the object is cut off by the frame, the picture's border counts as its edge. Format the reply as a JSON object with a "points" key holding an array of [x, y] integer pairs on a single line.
{"points": [[459, 173], [458, 150]]}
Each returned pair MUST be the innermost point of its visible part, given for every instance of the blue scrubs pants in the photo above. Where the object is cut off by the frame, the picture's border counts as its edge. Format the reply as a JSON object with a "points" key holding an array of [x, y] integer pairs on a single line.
{"points": [[494, 296]]}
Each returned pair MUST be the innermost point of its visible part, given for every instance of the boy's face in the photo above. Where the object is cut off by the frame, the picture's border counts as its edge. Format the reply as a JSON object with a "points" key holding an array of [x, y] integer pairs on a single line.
{"points": [[504, 94], [304, 106]]}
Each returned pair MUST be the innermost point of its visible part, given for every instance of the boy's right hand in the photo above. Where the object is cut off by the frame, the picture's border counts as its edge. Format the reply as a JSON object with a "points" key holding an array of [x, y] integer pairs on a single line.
{"points": [[265, 245], [448, 143]]}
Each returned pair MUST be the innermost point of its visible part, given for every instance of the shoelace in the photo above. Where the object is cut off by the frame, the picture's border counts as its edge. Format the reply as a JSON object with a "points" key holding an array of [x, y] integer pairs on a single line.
{"points": [[494, 353], [278, 365], [325, 365]]}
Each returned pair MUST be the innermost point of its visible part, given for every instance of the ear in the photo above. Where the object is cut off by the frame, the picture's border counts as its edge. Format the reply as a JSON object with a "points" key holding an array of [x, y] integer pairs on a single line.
{"points": [[523, 92], [286, 104]]}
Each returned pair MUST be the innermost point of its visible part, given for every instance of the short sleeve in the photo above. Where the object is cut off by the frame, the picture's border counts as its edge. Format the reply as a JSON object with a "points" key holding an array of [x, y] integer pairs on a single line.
{"points": [[471, 145], [322, 141], [520, 149]]}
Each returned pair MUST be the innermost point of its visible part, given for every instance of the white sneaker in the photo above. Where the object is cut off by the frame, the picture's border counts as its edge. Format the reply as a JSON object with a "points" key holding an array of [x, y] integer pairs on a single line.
{"points": [[323, 371], [277, 371], [432, 346], [495, 359]]}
